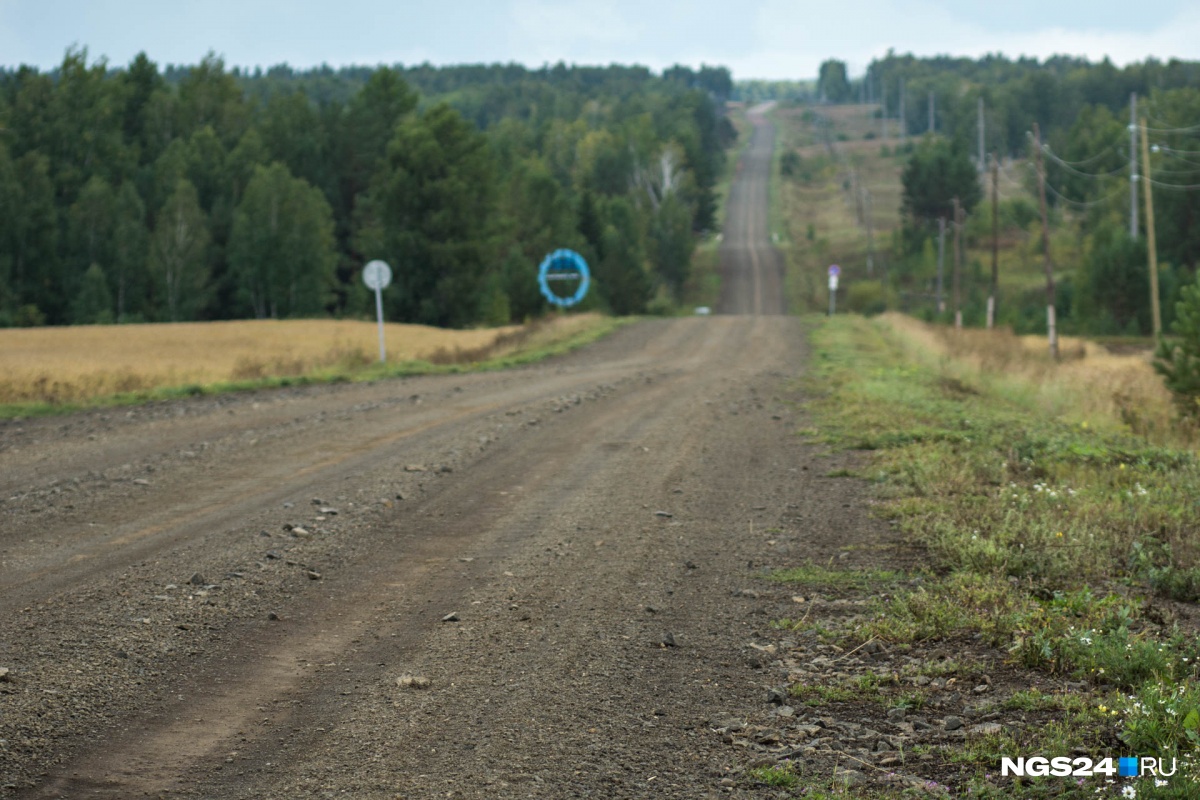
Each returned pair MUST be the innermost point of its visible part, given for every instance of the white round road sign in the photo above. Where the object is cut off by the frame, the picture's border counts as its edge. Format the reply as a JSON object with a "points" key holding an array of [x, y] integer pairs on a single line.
{"points": [[377, 275]]}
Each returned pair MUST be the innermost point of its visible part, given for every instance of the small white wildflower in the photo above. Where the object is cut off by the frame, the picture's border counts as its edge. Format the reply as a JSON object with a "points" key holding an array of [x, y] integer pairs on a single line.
{"points": [[1129, 791]]}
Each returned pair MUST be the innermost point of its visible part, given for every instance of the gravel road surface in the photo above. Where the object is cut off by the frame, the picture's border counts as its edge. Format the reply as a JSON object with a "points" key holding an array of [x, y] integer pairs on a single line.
{"points": [[533, 583]]}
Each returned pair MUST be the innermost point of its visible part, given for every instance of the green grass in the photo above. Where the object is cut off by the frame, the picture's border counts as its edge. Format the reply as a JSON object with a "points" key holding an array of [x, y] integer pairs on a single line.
{"points": [[782, 776], [818, 694], [811, 575], [1050, 540], [373, 372]]}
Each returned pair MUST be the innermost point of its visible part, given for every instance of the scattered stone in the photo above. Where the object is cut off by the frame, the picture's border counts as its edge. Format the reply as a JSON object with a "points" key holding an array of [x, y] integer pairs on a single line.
{"points": [[271, 554], [651, 609], [4, 675], [399, 495], [896, 713], [414, 468], [785, 711], [327, 511], [197, 580], [141, 482], [664, 514], [726, 722], [668, 640], [300, 533], [848, 777], [952, 723], [890, 761], [690, 564], [750, 593], [312, 574], [445, 469], [273, 616], [767, 737], [986, 729], [981, 689], [451, 617], [413, 682], [776, 697]]}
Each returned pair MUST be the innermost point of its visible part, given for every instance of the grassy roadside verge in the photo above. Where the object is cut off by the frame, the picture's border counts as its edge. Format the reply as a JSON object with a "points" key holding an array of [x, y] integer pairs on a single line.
{"points": [[1065, 547], [529, 346]]}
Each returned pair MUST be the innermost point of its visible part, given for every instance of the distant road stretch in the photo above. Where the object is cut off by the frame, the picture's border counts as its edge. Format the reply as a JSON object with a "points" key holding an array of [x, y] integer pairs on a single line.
{"points": [[751, 268]]}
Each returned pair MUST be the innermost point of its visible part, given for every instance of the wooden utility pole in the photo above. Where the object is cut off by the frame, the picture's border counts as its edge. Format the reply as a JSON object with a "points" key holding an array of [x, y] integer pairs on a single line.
{"points": [[941, 302], [1152, 247], [1133, 173], [957, 265], [1051, 326], [995, 288], [932, 122]]}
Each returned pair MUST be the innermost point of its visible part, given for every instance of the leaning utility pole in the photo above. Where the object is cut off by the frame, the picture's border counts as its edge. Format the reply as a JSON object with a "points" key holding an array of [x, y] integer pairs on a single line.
{"points": [[1051, 328], [1133, 173], [991, 308], [941, 303], [932, 125], [1152, 248], [958, 212]]}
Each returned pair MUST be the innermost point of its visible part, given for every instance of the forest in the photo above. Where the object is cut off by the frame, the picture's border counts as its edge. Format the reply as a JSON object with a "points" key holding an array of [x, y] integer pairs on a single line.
{"points": [[202, 192], [950, 108]]}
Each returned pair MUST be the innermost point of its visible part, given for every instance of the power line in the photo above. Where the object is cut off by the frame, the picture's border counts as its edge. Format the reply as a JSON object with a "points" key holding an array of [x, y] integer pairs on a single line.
{"points": [[1085, 203], [1069, 200], [1067, 166], [1189, 129], [1179, 186]]}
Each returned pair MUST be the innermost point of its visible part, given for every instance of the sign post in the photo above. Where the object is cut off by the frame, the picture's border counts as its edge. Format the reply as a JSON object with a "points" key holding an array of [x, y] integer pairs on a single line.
{"points": [[568, 266], [377, 275], [834, 272]]}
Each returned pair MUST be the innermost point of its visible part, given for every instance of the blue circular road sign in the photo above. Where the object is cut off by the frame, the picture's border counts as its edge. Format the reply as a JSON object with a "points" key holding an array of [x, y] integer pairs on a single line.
{"points": [[564, 266]]}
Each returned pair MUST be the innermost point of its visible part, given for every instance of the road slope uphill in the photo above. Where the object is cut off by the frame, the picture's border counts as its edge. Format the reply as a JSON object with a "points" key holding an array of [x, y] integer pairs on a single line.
{"points": [[516, 584], [751, 267]]}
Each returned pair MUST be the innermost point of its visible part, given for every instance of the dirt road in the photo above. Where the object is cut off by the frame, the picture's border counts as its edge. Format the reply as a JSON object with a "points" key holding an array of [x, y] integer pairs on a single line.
{"points": [[533, 583], [751, 268]]}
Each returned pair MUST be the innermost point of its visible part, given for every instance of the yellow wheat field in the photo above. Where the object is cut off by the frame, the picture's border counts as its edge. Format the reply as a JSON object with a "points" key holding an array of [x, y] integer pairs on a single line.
{"points": [[76, 364]]}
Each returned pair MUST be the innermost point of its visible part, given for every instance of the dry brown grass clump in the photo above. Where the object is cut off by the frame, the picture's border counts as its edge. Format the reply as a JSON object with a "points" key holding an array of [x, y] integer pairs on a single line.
{"points": [[77, 364], [1087, 383]]}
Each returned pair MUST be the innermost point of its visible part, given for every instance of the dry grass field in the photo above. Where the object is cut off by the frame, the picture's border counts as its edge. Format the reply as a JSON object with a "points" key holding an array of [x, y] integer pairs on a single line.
{"points": [[85, 363], [1088, 384]]}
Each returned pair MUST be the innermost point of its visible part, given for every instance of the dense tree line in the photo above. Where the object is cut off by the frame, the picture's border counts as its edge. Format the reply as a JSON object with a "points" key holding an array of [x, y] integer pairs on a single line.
{"points": [[201, 192]]}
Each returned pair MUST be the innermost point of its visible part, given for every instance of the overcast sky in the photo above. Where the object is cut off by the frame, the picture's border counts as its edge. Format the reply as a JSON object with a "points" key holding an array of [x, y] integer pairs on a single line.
{"points": [[755, 38]]}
